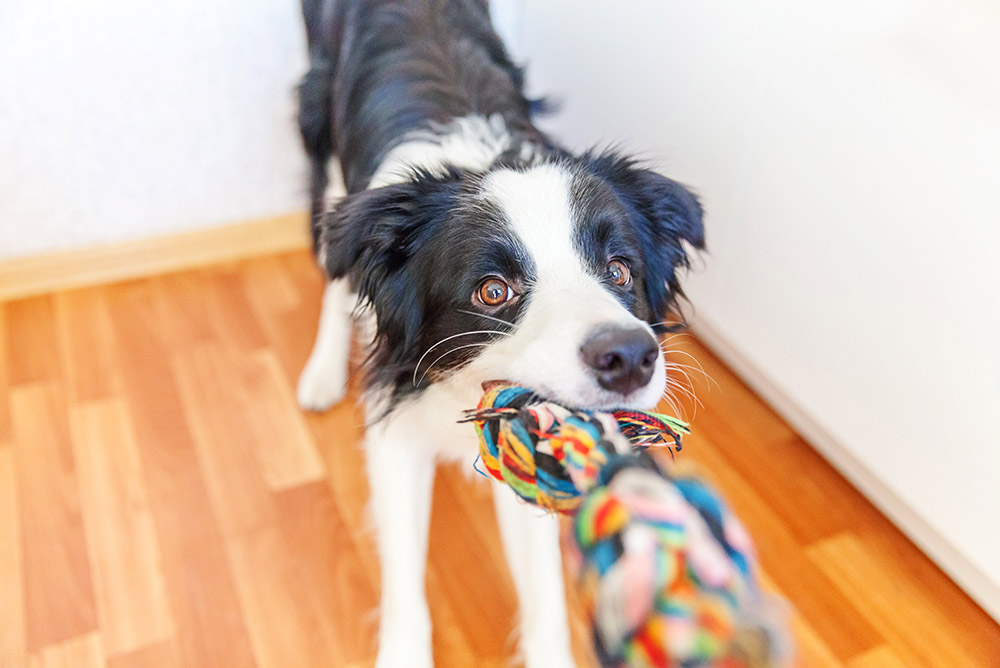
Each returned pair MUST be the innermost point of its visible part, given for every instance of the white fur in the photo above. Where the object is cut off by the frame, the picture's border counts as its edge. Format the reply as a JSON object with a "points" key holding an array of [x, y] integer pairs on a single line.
{"points": [[335, 188], [324, 379], [566, 303], [531, 545], [470, 142], [401, 478]]}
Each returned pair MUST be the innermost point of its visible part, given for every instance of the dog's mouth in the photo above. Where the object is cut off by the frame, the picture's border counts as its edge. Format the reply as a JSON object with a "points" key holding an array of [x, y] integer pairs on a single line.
{"points": [[490, 384]]}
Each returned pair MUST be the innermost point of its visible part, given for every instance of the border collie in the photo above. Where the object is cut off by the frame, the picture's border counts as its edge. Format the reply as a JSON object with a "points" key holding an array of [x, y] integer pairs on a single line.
{"points": [[472, 248]]}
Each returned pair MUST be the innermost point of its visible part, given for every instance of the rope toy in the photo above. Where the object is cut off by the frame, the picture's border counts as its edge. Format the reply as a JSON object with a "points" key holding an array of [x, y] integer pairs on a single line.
{"points": [[666, 569]]}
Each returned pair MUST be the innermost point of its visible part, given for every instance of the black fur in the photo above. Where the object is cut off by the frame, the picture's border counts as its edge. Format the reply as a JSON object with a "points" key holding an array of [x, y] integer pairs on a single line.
{"points": [[655, 212], [416, 251], [404, 65]]}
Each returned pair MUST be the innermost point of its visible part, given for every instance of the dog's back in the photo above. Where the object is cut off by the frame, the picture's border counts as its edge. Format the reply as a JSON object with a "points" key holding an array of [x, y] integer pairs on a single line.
{"points": [[381, 69]]}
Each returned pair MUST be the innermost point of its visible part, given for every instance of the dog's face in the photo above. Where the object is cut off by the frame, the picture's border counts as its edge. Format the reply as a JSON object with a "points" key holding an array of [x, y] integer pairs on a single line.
{"points": [[555, 276]]}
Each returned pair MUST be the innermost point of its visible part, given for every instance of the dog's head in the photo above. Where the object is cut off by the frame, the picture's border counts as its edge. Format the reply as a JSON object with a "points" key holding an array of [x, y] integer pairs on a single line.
{"points": [[555, 276]]}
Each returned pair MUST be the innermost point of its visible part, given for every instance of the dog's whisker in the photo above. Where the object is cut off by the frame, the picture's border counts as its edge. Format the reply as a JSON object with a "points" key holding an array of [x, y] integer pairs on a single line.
{"points": [[683, 391], [668, 398], [699, 368], [675, 403], [689, 382], [681, 371], [686, 354], [449, 338], [687, 393], [431, 366], [488, 317], [666, 340]]}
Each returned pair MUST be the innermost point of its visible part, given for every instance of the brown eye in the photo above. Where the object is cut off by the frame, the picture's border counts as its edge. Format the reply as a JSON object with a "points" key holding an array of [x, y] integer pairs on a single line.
{"points": [[493, 292], [619, 273]]}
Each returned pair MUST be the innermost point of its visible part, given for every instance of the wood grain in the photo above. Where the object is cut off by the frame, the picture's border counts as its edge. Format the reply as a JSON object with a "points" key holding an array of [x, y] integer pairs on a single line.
{"points": [[5, 357], [164, 503], [86, 344], [31, 341], [12, 630], [130, 592], [58, 589], [209, 625], [83, 652]]}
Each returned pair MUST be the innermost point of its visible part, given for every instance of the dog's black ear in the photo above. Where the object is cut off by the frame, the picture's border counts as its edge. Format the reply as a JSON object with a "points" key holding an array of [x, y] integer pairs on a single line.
{"points": [[372, 238], [665, 214]]}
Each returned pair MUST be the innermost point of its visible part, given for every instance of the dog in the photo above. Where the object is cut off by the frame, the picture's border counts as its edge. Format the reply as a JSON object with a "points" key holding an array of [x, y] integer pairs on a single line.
{"points": [[470, 248]]}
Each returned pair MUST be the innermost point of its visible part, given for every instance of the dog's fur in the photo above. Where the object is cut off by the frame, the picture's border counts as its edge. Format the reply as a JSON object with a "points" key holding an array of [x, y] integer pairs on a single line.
{"points": [[449, 184]]}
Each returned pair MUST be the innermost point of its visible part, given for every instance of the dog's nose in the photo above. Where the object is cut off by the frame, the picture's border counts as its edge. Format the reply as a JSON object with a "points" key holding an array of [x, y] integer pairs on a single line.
{"points": [[622, 359]]}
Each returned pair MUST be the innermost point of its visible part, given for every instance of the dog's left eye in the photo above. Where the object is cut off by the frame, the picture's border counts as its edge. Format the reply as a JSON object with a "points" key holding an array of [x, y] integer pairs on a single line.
{"points": [[619, 273], [494, 291]]}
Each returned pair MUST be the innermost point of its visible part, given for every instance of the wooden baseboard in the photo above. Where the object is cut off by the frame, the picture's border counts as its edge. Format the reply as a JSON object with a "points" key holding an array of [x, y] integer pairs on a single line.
{"points": [[979, 586], [37, 274]]}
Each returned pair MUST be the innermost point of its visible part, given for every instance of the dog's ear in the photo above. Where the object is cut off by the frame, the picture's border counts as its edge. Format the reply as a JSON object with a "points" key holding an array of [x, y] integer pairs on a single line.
{"points": [[665, 214], [372, 237]]}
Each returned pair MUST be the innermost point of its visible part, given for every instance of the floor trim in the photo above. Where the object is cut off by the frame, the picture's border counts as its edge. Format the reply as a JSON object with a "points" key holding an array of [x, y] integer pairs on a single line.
{"points": [[38, 274], [966, 575]]}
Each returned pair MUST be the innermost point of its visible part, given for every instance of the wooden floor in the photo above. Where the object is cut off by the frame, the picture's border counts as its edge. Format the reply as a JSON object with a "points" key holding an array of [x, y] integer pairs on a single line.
{"points": [[163, 502]]}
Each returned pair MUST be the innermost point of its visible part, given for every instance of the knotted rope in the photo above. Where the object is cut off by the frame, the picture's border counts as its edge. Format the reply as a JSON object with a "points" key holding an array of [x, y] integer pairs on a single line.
{"points": [[666, 569]]}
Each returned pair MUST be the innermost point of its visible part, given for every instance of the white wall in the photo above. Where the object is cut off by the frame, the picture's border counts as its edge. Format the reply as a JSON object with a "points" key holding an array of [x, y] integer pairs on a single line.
{"points": [[847, 154], [127, 119]]}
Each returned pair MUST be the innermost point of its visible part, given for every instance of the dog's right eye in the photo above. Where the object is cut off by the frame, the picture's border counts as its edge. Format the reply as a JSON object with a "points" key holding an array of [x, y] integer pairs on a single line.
{"points": [[493, 292]]}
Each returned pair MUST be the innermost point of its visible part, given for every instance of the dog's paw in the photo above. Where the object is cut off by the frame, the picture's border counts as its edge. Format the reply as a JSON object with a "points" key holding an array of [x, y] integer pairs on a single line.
{"points": [[321, 384]]}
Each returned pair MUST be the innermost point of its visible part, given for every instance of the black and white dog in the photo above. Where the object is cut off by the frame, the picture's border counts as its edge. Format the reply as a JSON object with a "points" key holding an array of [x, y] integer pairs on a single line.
{"points": [[483, 252]]}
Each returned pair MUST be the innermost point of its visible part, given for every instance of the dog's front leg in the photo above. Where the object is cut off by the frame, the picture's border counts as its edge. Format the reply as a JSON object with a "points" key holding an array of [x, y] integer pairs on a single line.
{"points": [[324, 380], [531, 543], [401, 478]]}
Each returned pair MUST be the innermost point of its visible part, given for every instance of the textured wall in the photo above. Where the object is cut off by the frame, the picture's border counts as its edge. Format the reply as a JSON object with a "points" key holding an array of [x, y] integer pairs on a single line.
{"points": [[124, 119]]}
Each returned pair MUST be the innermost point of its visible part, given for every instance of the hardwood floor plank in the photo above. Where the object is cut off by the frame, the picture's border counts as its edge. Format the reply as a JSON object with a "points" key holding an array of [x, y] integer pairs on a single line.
{"points": [[898, 608], [31, 332], [338, 434], [283, 444], [807, 647], [283, 317], [86, 344], [59, 596], [343, 582], [464, 528], [209, 380], [232, 314], [882, 656], [132, 604], [969, 625], [269, 286], [182, 301], [12, 629], [160, 655], [207, 614], [284, 629], [83, 652], [7, 352]]}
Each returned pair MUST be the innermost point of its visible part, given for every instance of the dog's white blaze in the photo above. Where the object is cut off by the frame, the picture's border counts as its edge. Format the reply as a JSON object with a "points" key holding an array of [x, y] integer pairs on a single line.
{"points": [[471, 142], [566, 301]]}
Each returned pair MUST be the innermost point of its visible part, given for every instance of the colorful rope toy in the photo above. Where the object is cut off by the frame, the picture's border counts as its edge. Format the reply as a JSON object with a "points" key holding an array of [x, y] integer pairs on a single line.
{"points": [[666, 569]]}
